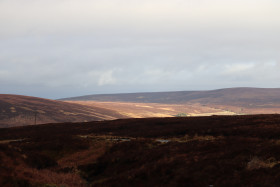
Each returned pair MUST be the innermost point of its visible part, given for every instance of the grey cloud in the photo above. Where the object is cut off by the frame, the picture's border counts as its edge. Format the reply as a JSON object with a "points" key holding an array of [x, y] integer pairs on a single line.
{"points": [[66, 48]]}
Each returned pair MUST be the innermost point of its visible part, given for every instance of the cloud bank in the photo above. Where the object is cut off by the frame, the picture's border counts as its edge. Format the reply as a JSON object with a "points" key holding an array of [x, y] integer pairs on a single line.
{"points": [[67, 48]]}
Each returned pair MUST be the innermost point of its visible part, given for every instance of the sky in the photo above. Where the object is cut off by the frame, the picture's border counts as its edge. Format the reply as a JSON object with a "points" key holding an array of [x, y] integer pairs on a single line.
{"points": [[63, 48]]}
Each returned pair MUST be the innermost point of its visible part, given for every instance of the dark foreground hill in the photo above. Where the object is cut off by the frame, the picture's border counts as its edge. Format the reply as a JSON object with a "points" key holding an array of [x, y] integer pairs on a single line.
{"points": [[17, 110], [227, 96], [194, 151]]}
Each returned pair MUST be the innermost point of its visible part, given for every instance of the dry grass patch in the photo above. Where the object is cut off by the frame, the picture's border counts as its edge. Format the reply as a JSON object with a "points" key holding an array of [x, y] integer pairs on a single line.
{"points": [[188, 138], [257, 163], [8, 141], [87, 156]]}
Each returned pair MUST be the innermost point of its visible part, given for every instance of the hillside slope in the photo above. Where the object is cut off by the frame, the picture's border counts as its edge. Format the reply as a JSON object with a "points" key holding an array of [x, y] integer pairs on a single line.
{"points": [[228, 101], [229, 96], [17, 110]]}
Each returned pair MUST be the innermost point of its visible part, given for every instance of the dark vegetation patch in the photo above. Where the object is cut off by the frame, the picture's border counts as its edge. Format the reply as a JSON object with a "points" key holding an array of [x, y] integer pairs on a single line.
{"points": [[196, 151]]}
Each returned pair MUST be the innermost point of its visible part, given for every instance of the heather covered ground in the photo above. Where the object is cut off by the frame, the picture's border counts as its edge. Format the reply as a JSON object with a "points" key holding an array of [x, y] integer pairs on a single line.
{"points": [[188, 151]]}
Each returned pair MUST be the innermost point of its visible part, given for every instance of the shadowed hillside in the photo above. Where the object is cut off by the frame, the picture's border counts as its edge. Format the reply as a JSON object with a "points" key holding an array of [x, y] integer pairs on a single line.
{"points": [[16, 110]]}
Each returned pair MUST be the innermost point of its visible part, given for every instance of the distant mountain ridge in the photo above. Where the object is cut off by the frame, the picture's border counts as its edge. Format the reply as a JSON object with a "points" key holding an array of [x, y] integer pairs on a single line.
{"points": [[231, 96]]}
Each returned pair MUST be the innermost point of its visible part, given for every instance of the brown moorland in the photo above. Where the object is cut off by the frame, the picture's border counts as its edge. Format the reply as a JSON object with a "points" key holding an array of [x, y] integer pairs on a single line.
{"points": [[188, 151], [229, 101], [146, 110], [17, 110], [228, 96]]}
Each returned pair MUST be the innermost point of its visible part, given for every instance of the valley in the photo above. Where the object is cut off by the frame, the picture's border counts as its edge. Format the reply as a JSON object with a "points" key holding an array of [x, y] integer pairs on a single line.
{"points": [[16, 110], [226, 137], [145, 110]]}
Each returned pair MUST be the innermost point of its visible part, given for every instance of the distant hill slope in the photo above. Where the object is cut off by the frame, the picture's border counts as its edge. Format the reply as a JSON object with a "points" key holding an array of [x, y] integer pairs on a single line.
{"points": [[228, 96], [17, 110]]}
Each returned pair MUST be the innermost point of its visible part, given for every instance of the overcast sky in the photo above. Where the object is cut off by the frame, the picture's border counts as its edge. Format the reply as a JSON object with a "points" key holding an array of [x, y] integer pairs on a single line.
{"points": [[63, 48]]}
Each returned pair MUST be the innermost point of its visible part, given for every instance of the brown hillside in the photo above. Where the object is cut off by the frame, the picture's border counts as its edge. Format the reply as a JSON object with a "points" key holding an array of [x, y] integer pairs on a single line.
{"points": [[229, 101], [17, 110], [228, 96]]}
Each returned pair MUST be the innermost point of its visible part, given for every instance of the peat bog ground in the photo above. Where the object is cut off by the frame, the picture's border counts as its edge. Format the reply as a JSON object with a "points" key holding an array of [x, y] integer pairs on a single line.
{"points": [[186, 151]]}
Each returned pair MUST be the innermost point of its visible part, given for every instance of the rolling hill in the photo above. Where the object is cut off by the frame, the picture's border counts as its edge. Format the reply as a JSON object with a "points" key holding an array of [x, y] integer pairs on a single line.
{"points": [[17, 110], [231, 96], [226, 101]]}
